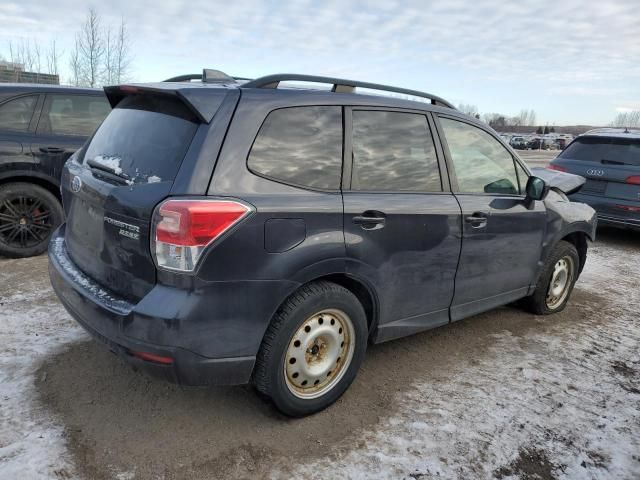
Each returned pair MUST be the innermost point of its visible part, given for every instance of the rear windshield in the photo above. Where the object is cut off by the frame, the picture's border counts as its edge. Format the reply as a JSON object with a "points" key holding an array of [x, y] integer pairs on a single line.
{"points": [[605, 150], [143, 140]]}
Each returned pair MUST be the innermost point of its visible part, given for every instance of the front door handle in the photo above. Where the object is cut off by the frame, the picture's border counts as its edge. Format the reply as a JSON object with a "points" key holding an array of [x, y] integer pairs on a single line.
{"points": [[477, 220], [370, 220], [51, 150]]}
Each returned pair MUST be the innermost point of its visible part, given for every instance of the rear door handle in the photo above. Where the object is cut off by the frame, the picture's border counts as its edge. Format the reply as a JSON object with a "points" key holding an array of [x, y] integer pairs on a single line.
{"points": [[477, 220], [51, 149], [370, 220]]}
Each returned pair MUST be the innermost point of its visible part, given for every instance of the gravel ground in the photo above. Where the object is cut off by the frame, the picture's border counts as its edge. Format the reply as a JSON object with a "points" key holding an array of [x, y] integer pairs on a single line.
{"points": [[504, 394]]}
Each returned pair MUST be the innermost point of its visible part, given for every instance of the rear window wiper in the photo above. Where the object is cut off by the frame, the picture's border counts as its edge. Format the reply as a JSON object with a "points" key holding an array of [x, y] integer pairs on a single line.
{"points": [[613, 162], [108, 172]]}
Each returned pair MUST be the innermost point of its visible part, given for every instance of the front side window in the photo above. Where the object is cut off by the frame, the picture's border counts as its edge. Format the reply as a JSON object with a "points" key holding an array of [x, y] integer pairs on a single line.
{"points": [[16, 113], [393, 151], [301, 146], [73, 114], [481, 163], [523, 178]]}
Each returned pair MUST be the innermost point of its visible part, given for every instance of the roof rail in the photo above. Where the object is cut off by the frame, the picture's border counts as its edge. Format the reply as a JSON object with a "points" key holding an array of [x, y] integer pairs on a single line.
{"points": [[207, 76], [340, 85]]}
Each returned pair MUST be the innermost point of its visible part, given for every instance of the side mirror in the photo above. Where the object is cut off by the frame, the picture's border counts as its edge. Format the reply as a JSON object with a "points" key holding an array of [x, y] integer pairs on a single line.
{"points": [[537, 188]]}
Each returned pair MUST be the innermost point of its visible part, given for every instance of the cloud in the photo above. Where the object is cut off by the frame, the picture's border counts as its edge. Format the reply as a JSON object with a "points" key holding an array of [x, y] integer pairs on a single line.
{"points": [[585, 46]]}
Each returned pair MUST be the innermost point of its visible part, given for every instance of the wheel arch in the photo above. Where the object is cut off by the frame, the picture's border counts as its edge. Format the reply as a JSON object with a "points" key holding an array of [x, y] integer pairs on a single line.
{"points": [[40, 180], [578, 239]]}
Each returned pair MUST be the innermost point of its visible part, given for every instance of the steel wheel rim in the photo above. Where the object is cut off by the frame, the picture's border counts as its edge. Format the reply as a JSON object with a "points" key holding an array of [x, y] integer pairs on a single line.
{"points": [[561, 279], [319, 354], [24, 221]]}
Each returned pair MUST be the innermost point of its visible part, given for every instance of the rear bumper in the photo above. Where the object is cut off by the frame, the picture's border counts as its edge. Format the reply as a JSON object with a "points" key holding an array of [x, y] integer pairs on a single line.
{"points": [[172, 316], [608, 213]]}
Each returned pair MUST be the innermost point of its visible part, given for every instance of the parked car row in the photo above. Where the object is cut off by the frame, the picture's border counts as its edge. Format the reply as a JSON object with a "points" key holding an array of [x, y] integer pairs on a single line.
{"points": [[537, 143]]}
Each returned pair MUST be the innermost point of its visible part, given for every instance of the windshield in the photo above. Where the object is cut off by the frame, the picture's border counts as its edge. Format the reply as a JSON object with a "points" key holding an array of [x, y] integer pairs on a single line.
{"points": [[143, 140], [621, 151]]}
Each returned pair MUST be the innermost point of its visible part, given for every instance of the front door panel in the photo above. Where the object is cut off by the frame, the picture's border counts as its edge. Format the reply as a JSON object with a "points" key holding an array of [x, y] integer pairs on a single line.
{"points": [[499, 257]]}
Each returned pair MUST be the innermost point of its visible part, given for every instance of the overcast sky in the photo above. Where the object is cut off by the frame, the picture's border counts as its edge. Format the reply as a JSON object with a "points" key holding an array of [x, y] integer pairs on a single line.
{"points": [[573, 61]]}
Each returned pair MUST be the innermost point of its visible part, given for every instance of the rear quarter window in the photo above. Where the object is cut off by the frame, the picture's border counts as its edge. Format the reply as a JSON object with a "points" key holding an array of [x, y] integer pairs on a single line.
{"points": [[144, 139], [78, 115], [604, 150], [300, 146], [16, 113]]}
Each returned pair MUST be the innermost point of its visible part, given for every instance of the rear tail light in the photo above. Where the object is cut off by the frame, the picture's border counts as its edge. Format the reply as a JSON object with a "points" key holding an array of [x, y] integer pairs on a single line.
{"points": [[557, 168], [183, 229], [633, 179]]}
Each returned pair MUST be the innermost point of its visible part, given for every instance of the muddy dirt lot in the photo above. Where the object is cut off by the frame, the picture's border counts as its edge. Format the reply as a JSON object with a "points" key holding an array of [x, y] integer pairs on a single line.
{"points": [[502, 395]]}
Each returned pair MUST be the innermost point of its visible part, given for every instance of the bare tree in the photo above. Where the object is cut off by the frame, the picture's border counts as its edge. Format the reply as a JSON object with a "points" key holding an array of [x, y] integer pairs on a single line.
{"points": [[117, 58], [91, 50], [468, 109], [53, 58], [123, 53], [75, 64], [109, 58], [629, 119]]}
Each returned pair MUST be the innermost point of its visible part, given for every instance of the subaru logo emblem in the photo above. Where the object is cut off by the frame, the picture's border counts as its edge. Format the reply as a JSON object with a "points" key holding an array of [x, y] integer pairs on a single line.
{"points": [[76, 184]]}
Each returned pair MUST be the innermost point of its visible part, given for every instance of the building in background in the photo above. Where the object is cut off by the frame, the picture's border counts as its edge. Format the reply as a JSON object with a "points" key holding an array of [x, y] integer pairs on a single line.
{"points": [[14, 73]]}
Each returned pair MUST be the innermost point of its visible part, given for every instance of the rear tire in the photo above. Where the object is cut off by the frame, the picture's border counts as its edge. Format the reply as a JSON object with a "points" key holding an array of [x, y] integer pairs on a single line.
{"points": [[556, 281], [312, 349], [28, 216]]}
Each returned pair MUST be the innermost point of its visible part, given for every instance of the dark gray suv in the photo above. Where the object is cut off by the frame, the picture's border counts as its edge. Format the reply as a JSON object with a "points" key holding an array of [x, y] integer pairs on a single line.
{"points": [[223, 232], [609, 158]]}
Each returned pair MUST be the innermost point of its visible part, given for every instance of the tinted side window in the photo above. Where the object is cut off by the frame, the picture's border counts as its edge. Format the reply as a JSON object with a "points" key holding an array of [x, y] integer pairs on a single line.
{"points": [[393, 151], [300, 145], [481, 163], [16, 114], [73, 114]]}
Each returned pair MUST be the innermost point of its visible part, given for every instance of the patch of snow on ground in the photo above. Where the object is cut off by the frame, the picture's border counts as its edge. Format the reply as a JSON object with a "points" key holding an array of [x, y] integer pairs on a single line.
{"points": [[565, 398], [32, 325]]}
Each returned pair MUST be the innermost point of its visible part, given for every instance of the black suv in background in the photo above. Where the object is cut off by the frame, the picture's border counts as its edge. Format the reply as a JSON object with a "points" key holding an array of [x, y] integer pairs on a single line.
{"points": [[609, 158], [221, 233], [40, 127]]}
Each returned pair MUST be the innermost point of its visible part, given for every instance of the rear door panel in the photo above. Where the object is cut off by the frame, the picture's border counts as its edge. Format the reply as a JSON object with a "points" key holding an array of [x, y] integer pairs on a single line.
{"points": [[411, 258]]}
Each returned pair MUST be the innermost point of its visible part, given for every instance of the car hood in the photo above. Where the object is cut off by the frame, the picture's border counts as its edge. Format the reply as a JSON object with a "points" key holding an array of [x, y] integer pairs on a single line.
{"points": [[565, 182]]}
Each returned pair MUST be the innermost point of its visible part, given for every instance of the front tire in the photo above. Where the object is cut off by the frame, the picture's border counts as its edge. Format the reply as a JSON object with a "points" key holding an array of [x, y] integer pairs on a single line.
{"points": [[556, 281], [28, 216], [312, 350]]}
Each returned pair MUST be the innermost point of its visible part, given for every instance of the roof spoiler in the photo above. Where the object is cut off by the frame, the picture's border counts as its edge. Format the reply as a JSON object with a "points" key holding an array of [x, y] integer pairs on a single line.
{"points": [[204, 103]]}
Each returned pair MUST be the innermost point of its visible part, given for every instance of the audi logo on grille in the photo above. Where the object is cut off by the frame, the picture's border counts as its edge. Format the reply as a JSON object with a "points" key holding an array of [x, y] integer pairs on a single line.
{"points": [[595, 173]]}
